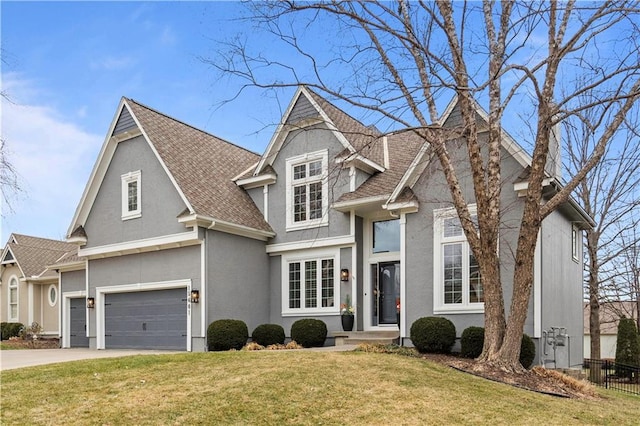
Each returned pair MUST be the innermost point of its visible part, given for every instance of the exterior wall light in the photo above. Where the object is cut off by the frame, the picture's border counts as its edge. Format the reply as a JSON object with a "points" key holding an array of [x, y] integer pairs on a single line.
{"points": [[344, 275], [91, 302], [195, 296]]}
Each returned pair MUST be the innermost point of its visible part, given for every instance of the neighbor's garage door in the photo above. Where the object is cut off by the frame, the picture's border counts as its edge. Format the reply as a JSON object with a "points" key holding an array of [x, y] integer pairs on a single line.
{"points": [[146, 320]]}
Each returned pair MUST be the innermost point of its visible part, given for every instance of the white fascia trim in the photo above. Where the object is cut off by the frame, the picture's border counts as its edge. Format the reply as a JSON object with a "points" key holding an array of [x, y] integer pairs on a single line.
{"points": [[77, 240], [244, 172], [257, 181], [347, 240], [139, 246], [329, 123], [522, 187], [346, 206], [196, 220], [130, 288], [410, 177], [68, 267], [403, 207], [66, 315], [361, 163]]}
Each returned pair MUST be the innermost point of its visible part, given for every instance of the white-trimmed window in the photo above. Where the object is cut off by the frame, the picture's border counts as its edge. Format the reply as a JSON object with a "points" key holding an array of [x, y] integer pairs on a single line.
{"points": [[13, 299], [575, 242], [310, 283], [131, 195], [52, 294], [457, 281], [307, 190]]}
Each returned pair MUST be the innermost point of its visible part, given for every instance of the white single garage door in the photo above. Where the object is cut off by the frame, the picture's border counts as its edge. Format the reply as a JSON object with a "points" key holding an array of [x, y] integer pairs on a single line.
{"points": [[146, 320]]}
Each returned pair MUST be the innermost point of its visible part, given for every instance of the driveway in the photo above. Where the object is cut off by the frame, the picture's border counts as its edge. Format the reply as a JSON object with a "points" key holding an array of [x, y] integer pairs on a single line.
{"points": [[10, 359]]}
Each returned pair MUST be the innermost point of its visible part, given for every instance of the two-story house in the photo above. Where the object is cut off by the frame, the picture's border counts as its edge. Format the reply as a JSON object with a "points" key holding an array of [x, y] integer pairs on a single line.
{"points": [[180, 228]]}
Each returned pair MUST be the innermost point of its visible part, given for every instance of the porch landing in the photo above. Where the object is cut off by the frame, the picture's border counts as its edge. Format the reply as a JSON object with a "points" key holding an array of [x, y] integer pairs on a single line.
{"points": [[382, 337]]}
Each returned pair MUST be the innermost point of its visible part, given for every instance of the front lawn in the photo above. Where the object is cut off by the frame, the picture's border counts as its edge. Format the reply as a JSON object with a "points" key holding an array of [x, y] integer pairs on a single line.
{"points": [[298, 387]]}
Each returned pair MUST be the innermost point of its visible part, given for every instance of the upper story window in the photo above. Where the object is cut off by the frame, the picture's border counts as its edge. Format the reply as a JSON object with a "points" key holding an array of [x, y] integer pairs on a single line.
{"points": [[13, 299], [131, 191], [307, 190], [386, 236], [457, 281]]}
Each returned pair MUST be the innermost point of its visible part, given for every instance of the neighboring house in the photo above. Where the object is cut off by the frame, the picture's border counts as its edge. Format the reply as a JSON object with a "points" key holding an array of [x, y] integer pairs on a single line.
{"points": [[610, 314], [332, 208], [29, 291]]}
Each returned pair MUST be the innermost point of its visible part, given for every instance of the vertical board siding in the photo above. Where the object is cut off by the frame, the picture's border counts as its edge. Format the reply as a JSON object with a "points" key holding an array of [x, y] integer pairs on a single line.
{"points": [[302, 109]]}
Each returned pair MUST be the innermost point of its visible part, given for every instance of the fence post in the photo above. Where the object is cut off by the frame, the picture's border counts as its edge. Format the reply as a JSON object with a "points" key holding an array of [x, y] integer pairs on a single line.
{"points": [[606, 374]]}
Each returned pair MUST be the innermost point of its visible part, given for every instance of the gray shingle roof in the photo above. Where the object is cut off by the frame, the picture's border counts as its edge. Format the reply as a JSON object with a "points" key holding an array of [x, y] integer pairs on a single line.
{"points": [[203, 167], [34, 254], [403, 148]]}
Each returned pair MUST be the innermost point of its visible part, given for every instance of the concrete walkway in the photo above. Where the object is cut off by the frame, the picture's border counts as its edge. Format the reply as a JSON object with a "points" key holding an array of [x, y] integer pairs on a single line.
{"points": [[12, 359]]}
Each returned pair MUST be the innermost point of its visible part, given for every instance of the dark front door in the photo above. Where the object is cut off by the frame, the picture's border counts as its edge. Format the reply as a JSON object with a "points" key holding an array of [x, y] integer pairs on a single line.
{"points": [[386, 292], [78, 323]]}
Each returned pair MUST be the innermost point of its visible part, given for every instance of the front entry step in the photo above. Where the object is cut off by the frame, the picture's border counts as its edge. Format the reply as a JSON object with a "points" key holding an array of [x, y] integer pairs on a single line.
{"points": [[381, 337]]}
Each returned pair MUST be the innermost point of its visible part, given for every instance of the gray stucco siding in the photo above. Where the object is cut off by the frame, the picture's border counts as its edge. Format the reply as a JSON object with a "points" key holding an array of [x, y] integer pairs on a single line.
{"points": [[312, 139], [562, 288], [161, 202], [237, 279], [73, 281]]}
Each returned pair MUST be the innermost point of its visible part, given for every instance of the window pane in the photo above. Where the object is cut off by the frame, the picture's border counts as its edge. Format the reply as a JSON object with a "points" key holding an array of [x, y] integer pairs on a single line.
{"points": [[452, 227], [300, 203], [52, 295], [476, 294], [386, 236], [133, 196], [294, 285], [315, 168], [315, 200], [327, 283], [310, 284], [13, 295], [300, 172], [14, 311], [452, 273]]}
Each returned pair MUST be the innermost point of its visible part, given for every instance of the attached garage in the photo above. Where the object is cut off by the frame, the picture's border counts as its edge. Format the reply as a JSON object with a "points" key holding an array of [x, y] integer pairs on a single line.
{"points": [[78, 323], [155, 319]]}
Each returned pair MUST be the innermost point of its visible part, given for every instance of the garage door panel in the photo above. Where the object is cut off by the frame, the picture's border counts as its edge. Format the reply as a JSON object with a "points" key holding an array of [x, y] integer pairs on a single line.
{"points": [[146, 320], [78, 323]]}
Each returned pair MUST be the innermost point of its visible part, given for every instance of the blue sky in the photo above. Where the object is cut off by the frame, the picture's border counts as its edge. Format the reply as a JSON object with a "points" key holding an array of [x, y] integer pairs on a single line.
{"points": [[65, 67]]}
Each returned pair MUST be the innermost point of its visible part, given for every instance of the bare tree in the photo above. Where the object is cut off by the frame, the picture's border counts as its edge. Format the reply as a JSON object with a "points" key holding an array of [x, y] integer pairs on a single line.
{"points": [[9, 182], [609, 194], [399, 59]]}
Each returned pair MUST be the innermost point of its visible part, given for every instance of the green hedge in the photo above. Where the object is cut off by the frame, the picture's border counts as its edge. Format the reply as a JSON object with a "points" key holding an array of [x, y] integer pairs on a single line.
{"points": [[309, 332], [268, 334], [472, 341], [227, 334], [433, 335], [10, 329]]}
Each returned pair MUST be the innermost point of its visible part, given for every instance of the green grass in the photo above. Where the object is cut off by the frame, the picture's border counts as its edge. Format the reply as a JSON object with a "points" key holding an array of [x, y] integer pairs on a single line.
{"points": [[299, 387]]}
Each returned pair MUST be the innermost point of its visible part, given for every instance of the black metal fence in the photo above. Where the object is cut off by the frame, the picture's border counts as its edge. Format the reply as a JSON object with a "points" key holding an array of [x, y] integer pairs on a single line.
{"points": [[610, 375]]}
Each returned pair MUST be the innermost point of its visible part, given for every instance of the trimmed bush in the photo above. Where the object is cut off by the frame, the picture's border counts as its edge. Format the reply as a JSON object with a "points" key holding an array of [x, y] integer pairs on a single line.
{"points": [[309, 332], [627, 348], [471, 342], [227, 334], [10, 329], [433, 335], [527, 351], [268, 334]]}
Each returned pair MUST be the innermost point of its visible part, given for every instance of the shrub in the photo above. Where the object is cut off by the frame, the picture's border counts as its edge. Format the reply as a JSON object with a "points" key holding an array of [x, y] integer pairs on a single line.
{"points": [[227, 334], [268, 334], [10, 329], [309, 332], [433, 334], [527, 351], [627, 347], [471, 342]]}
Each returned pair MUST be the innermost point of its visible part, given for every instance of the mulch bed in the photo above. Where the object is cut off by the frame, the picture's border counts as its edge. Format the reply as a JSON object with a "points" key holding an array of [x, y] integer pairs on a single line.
{"points": [[537, 379], [32, 344]]}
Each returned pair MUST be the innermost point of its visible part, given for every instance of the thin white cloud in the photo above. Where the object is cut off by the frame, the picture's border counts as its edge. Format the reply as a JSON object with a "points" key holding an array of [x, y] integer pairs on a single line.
{"points": [[112, 63], [168, 37], [53, 157]]}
